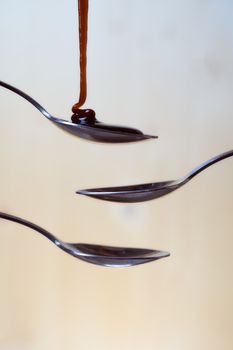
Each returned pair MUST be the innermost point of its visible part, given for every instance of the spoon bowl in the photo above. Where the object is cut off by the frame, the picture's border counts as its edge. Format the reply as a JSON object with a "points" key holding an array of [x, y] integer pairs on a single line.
{"points": [[131, 194], [94, 131], [149, 191], [96, 254], [118, 256]]}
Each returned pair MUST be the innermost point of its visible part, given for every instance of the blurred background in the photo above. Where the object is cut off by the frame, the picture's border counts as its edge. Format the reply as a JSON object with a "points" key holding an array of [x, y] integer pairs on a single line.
{"points": [[164, 67]]}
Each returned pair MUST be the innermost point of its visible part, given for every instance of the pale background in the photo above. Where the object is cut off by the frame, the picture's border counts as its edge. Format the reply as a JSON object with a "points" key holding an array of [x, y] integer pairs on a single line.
{"points": [[166, 67]]}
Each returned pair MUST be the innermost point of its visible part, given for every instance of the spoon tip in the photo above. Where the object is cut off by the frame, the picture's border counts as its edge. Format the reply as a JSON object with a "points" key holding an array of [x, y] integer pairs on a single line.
{"points": [[91, 193], [150, 136], [83, 192]]}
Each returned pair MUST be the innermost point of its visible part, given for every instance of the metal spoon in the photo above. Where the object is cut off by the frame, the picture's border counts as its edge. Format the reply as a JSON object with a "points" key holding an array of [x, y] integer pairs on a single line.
{"points": [[146, 192], [96, 254], [86, 126]]}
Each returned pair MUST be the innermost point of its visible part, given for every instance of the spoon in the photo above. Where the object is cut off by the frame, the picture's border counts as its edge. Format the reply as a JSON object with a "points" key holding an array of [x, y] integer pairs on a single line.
{"points": [[86, 125], [96, 254], [146, 192]]}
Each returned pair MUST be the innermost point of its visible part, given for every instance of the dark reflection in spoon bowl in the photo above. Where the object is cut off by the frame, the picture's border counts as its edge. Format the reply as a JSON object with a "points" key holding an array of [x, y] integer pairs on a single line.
{"points": [[130, 194], [119, 257]]}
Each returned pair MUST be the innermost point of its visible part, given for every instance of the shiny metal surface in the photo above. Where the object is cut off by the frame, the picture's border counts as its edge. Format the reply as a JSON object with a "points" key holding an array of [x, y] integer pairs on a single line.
{"points": [[96, 254], [146, 192], [99, 132]]}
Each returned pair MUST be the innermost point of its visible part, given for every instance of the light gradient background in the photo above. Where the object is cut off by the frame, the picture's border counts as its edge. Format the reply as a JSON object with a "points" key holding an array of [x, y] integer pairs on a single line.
{"points": [[166, 67]]}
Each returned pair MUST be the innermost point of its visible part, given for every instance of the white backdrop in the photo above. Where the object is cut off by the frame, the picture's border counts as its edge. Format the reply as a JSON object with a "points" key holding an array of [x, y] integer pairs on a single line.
{"points": [[164, 67]]}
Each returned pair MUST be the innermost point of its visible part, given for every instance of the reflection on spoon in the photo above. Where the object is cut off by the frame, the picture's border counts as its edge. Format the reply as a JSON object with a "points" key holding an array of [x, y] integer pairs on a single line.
{"points": [[85, 125], [146, 192], [96, 254]]}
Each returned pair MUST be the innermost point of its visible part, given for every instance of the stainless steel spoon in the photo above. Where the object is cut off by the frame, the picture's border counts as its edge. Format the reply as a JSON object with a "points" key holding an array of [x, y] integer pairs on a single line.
{"points": [[96, 254], [146, 192], [87, 127]]}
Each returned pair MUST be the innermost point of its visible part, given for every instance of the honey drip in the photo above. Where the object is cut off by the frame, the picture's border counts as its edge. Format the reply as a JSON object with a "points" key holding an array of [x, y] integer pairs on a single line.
{"points": [[83, 29]]}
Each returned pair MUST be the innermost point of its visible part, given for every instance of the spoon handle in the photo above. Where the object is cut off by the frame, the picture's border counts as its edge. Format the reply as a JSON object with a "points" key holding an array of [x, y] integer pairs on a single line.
{"points": [[30, 225], [26, 97], [208, 163]]}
